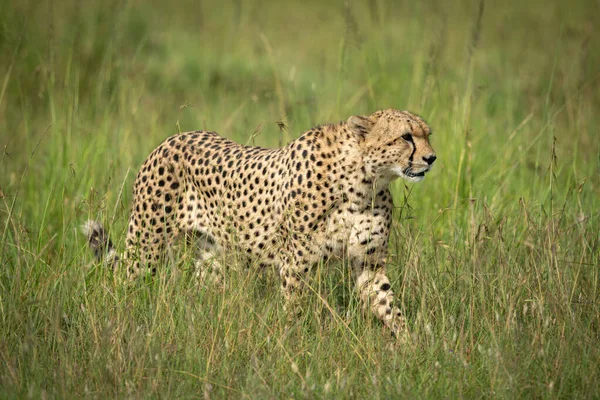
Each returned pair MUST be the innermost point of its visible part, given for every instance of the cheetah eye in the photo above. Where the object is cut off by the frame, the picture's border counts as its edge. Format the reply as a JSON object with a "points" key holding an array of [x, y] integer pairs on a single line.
{"points": [[407, 137]]}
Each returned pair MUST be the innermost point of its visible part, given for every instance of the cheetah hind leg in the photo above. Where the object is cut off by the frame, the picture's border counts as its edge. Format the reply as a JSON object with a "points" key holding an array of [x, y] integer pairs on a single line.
{"points": [[294, 280], [208, 270], [100, 243]]}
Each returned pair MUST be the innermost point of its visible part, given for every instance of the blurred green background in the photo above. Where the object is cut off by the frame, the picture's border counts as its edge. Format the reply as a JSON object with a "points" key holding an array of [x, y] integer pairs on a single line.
{"points": [[494, 256]]}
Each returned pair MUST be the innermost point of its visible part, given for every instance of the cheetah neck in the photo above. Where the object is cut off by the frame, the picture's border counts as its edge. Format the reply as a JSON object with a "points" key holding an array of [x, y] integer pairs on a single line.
{"points": [[347, 169]]}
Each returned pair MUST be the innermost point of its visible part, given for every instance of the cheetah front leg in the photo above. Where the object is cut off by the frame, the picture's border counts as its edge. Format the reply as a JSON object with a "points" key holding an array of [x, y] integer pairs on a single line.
{"points": [[375, 293]]}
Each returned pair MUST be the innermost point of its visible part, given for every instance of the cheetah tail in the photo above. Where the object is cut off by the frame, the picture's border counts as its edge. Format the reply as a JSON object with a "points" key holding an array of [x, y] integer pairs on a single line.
{"points": [[99, 242]]}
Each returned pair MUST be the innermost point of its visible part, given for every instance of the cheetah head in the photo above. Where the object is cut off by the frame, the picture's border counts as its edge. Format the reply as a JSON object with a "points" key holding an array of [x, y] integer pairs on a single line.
{"points": [[394, 144]]}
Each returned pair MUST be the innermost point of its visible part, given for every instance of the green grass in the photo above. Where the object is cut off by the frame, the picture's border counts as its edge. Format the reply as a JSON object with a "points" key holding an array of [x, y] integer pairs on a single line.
{"points": [[494, 256]]}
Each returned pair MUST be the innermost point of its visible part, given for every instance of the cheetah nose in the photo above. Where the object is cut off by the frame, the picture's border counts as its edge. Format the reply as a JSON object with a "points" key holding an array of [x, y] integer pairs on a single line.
{"points": [[429, 159]]}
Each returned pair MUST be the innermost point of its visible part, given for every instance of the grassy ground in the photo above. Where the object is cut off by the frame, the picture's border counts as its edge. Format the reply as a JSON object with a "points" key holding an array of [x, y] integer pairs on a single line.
{"points": [[494, 256]]}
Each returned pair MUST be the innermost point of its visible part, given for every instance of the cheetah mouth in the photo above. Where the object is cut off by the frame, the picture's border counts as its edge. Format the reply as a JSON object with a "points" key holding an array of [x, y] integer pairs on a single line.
{"points": [[412, 174]]}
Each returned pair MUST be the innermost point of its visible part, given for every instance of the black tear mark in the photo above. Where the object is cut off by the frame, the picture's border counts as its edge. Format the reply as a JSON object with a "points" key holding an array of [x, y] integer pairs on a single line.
{"points": [[414, 149]]}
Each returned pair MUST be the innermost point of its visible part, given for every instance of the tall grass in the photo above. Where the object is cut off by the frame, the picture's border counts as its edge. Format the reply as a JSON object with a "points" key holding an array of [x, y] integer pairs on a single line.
{"points": [[494, 257]]}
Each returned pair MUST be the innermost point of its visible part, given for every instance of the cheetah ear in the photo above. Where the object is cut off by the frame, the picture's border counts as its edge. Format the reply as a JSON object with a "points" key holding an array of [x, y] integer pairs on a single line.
{"points": [[359, 125]]}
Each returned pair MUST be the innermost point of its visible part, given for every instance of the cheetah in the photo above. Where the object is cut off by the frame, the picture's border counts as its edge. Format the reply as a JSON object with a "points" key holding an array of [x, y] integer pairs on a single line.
{"points": [[325, 194]]}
